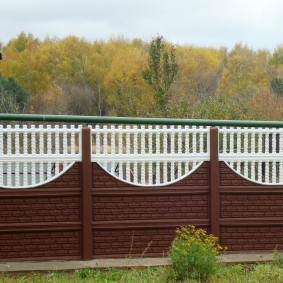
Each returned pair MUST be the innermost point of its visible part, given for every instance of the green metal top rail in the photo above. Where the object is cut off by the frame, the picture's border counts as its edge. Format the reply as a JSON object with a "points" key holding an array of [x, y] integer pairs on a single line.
{"points": [[144, 121]]}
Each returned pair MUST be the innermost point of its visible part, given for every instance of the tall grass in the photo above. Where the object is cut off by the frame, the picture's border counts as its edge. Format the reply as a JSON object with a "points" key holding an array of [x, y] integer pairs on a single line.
{"points": [[254, 273]]}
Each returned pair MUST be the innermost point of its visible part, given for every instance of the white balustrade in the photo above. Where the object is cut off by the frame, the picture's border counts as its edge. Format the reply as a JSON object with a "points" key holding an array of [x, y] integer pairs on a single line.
{"points": [[254, 153], [150, 155], [30, 156]]}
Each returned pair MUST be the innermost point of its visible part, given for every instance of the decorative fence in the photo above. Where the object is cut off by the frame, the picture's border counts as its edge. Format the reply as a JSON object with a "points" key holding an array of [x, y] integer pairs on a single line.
{"points": [[121, 187]]}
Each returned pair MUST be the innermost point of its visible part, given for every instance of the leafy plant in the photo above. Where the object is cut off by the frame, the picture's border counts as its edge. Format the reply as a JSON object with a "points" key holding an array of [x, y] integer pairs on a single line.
{"points": [[193, 254]]}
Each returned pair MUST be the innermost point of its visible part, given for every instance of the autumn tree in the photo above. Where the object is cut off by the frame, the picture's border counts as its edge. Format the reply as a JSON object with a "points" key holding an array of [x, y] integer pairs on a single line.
{"points": [[127, 93], [245, 72], [161, 72]]}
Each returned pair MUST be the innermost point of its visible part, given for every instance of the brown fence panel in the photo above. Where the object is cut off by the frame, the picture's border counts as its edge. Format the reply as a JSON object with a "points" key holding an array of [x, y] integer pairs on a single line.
{"points": [[42, 223], [135, 221], [251, 215]]}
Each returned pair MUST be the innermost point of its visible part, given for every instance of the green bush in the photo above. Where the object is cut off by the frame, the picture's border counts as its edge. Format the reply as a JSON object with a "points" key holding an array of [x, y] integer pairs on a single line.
{"points": [[193, 254]]}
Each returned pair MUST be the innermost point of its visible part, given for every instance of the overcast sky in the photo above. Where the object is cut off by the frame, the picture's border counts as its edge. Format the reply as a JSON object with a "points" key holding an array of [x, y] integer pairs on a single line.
{"points": [[257, 23]]}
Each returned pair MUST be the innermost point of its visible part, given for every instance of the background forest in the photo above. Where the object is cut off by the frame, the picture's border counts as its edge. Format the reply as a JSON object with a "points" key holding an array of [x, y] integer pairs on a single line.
{"points": [[121, 77]]}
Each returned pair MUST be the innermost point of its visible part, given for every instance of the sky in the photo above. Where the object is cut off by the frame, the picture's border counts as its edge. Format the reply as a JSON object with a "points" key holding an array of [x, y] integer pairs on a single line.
{"points": [[207, 23]]}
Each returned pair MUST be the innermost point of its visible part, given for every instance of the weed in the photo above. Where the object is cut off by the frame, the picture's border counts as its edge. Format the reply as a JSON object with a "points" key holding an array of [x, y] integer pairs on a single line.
{"points": [[193, 254]]}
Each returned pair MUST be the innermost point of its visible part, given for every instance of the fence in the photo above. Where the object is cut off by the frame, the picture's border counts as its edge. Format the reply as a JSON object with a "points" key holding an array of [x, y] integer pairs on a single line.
{"points": [[119, 187]]}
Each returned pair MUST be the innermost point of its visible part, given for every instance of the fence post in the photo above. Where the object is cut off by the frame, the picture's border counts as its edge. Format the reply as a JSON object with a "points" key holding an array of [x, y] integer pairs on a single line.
{"points": [[214, 184], [87, 241]]}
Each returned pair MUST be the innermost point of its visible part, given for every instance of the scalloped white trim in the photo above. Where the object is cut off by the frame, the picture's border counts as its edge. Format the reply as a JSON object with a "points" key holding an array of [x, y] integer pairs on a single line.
{"points": [[251, 180], [152, 185], [42, 183]]}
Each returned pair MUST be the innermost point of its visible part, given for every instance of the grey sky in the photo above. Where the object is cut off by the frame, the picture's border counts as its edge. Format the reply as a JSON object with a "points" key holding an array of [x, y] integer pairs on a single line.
{"points": [[257, 23]]}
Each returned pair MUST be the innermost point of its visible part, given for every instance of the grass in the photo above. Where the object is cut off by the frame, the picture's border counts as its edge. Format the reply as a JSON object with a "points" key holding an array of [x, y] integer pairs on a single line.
{"points": [[257, 273]]}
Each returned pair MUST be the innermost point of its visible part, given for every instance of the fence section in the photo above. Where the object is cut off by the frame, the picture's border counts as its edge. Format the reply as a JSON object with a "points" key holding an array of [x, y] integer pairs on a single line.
{"points": [[30, 156], [254, 153], [128, 188], [150, 155]]}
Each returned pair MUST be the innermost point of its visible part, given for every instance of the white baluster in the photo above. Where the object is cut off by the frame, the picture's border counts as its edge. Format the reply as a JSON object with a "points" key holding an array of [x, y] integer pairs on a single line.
{"points": [[246, 143], [253, 170], [49, 168], [41, 140], [157, 140], [238, 167], [281, 172], [187, 140], [73, 144], [49, 140], [143, 173], [194, 140], [17, 174], [224, 140], [179, 140], [128, 150], [266, 142], [33, 179], [172, 140], [150, 139], [9, 174], [150, 175], [136, 179], [113, 143], [259, 170], [135, 154], [239, 150], [157, 173], [274, 142], [57, 165], [267, 172], [57, 140], [41, 172], [281, 141], [105, 141], [1, 142], [17, 140], [165, 172], [231, 141], [65, 140], [128, 140], [260, 141], [120, 148], [246, 169], [9, 140], [201, 139], [179, 169], [172, 171], [273, 168], [25, 173], [1, 173], [165, 150]]}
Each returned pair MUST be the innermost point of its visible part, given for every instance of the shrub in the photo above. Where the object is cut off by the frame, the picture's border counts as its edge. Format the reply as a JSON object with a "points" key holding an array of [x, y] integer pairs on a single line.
{"points": [[193, 254]]}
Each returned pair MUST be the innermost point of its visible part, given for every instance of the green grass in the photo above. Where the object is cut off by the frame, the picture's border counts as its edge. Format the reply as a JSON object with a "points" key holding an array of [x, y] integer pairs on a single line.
{"points": [[257, 273]]}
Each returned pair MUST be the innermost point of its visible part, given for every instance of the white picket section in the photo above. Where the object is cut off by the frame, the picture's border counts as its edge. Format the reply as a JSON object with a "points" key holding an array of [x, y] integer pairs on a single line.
{"points": [[143, 155], [149, 155], [30, 156], [254, 153]]}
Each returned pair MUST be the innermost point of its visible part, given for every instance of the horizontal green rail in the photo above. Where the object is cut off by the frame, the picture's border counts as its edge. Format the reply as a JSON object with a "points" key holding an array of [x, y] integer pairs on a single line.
{"points": [[144, 121]]}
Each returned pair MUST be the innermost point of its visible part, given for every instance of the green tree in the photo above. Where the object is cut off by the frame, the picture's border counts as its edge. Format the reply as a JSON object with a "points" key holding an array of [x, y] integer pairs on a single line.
{"points": [[12, 97], [276, 85], [161, 72]]}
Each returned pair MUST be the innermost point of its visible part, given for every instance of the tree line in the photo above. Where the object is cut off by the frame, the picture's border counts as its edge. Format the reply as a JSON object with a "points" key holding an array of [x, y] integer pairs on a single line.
{"points": [[121, 77]]}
